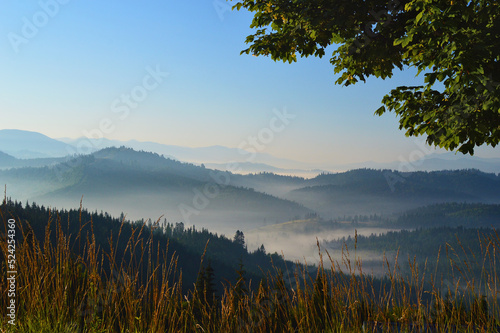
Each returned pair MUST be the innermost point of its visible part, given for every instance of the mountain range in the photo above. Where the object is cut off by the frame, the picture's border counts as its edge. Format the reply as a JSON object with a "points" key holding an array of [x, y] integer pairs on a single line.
{"points": [[27, 146], [147, 185]]}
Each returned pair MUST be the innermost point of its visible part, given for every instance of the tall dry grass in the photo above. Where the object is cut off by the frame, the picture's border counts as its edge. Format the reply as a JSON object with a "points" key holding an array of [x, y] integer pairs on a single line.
{"points": [[62, 290]]}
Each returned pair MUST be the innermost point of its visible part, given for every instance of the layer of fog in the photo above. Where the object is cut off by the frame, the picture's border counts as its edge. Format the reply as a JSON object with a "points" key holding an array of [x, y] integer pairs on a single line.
{"points": [[172, 207], [303, 248]]}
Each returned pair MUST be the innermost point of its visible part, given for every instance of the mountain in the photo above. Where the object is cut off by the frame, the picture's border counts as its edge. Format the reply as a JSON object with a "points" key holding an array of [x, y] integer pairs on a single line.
{"points": [[31, 145], [222, 158], [147, 185], [368, 191], [26, 144], [371, 191], [214, 154]]}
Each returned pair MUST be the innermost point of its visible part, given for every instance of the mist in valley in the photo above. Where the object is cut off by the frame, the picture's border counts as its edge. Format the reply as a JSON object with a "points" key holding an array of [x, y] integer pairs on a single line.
{"points": [[312, 247]]}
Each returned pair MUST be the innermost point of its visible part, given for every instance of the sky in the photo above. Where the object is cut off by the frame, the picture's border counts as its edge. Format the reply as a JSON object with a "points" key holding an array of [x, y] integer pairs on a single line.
{"points": [[171, 72]]}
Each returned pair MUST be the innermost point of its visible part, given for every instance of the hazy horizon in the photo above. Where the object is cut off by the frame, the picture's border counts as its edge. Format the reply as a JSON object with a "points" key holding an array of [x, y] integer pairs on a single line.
{"points": [[249, 160]]}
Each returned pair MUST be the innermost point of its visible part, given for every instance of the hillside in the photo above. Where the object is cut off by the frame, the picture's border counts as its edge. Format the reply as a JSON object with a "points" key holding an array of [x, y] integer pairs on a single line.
{"points": [[451, 215], [366, 191], [186, 244], [6, 160], [147, 185]]}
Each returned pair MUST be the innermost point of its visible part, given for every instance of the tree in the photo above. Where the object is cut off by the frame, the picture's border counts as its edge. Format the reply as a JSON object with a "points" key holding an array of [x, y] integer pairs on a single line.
{"points": [[239, 238], [240, 288], [455, 43], [205, 286], [179, 228]]}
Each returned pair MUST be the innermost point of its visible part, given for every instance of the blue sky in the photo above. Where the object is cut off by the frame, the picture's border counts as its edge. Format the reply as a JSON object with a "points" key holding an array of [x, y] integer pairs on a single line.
{"points": [[67, 65]]}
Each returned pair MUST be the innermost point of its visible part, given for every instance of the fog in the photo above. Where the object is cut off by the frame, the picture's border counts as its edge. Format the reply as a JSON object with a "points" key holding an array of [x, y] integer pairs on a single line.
{"points": [[303, 248], [218, 214]]}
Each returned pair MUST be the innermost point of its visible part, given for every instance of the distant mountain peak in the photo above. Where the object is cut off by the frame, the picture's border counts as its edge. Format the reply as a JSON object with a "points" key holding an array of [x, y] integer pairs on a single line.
{"points": [[28, 144]]}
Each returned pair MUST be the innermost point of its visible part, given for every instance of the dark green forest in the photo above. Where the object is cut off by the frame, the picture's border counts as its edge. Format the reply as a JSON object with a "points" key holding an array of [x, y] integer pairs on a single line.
{"points": [[187, 244]]}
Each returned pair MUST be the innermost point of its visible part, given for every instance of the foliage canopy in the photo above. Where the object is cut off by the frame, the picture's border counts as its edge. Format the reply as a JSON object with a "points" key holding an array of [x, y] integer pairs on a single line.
{"points": [[455, 44]]}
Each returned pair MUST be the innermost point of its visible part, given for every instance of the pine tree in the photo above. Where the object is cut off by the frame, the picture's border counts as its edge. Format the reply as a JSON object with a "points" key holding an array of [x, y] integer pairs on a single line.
{"points": [[209, 284], [239, 238], [240, 288], [205, 287]]}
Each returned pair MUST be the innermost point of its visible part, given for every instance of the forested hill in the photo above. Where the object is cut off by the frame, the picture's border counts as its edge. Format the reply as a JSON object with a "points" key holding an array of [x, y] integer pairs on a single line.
{"points": [[147, 185], [173, 239], [367, 191], [470, 182], [467, 181], [451, 215]]}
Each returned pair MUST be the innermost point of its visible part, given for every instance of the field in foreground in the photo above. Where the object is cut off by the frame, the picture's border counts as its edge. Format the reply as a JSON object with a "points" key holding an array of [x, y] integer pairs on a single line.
{"points": [[90, 287]]}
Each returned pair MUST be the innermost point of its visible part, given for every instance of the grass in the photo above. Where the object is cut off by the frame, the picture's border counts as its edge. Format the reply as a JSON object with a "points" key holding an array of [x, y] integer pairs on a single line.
{"points": [[60, 291]]}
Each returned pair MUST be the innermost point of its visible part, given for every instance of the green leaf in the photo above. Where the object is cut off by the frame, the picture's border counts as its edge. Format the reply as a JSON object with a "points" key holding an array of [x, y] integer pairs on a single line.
{"points": [[419, 17], [403, 41], [380, 111]]}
